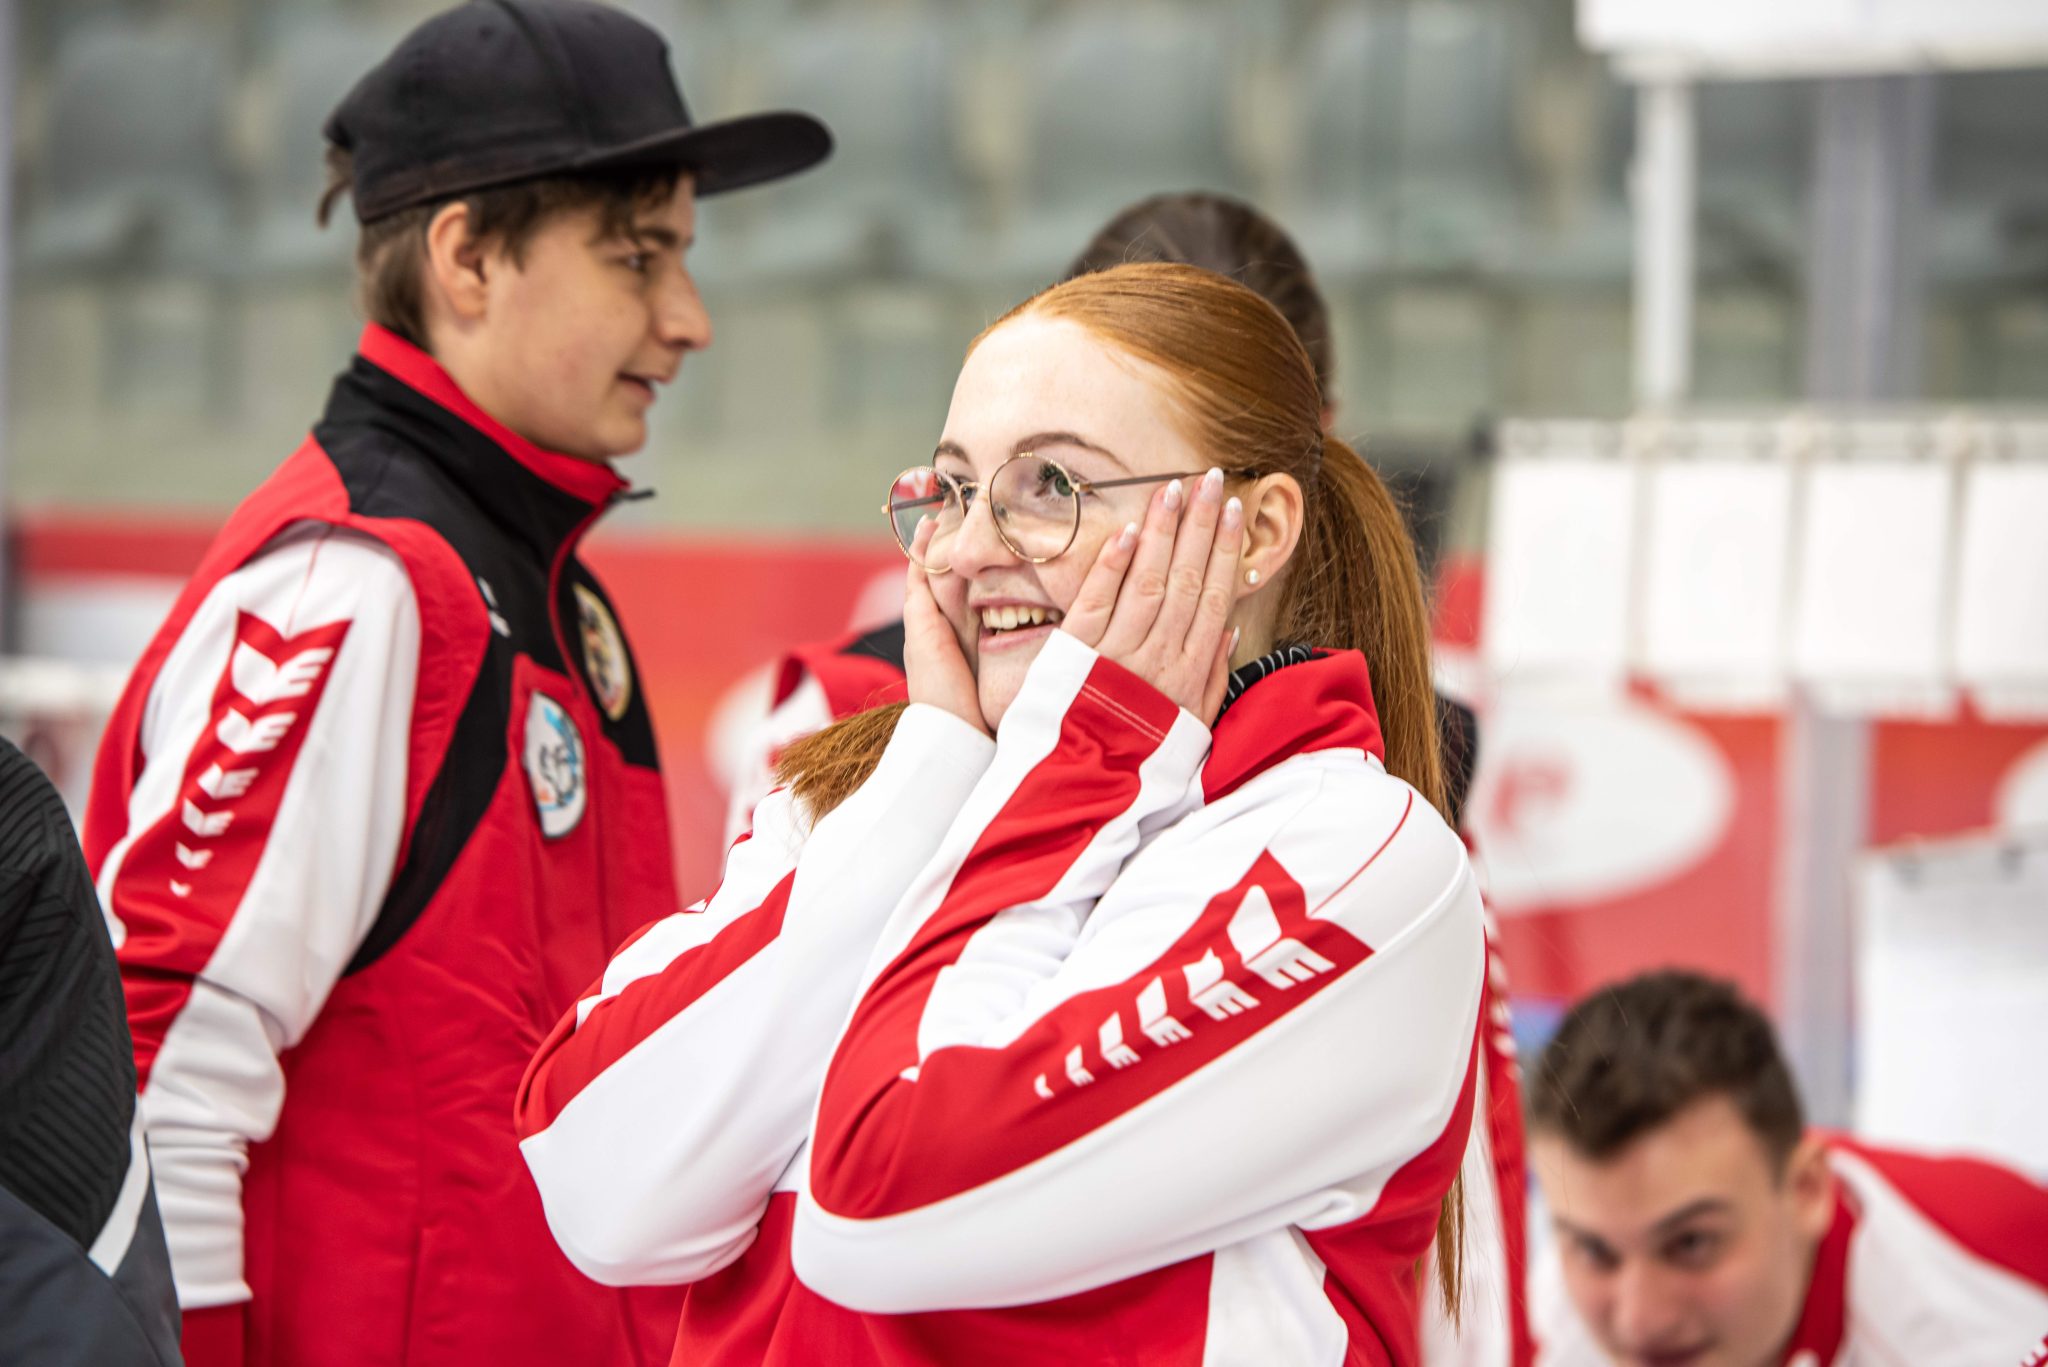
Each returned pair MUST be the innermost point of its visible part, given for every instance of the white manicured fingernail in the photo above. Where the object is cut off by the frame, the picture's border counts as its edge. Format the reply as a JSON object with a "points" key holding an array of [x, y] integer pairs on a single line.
{"points": [[1129, 536], [1173, 495], [1212, 481], [1235, 632], [1233, 513]]}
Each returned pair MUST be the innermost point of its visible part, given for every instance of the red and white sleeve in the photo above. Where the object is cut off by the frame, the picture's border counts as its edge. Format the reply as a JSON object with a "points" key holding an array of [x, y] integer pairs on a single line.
{"points": [[1074, 1064], [263, 831], [661, 1111]]}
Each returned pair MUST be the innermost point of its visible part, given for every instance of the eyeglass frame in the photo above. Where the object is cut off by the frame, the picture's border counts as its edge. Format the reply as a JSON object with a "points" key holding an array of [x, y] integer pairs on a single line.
{"points": [[1079, 486]]}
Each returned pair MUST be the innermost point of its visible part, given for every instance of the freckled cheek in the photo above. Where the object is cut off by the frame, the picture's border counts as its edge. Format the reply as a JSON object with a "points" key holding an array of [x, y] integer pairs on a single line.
{"points": [[950, 592], [1062, 578]]}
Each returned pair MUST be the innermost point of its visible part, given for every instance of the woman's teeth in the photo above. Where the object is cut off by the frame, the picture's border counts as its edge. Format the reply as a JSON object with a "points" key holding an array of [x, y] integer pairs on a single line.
{"points": [[1010, 618]]}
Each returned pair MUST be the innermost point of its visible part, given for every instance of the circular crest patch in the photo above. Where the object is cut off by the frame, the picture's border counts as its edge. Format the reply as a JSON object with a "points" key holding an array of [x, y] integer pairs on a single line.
{"points": [[604, 654], [556, 766]]}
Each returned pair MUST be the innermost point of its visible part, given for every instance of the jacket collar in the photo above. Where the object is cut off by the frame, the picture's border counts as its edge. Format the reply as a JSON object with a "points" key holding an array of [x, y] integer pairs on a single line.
{"points": [[588, 480], [1825, 1319], [543, 496], [1322, 703]]}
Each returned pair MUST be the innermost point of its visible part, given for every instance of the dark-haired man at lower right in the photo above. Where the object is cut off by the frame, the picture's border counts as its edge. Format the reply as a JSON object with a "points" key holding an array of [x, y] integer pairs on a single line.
{"points": [[1699, 1223]]}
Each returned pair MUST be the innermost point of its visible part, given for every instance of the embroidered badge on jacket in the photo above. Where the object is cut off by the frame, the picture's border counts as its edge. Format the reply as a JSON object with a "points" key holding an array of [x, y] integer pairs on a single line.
{"points": [[555, 766], [604, 654]]}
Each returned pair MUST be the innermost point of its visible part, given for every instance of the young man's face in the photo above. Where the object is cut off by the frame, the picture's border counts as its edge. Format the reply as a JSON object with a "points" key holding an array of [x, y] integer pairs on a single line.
{"points": [[1688, 1248], [579, 335]]}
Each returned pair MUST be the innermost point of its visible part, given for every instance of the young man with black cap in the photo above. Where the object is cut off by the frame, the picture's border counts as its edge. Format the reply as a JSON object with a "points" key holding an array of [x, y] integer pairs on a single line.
{"points": [[382, 793]]}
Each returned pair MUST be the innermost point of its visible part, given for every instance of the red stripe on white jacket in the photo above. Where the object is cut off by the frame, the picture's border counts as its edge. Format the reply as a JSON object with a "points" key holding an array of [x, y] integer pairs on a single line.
{"points": [[659, 1114], [262, 831], [1253, 1145], [1010, 1081], [816, 684]]}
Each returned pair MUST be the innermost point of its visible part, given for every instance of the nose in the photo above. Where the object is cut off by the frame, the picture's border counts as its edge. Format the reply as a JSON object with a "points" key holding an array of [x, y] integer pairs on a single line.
{"points": [[680, 320], [977, 545], [1648, 1311]]}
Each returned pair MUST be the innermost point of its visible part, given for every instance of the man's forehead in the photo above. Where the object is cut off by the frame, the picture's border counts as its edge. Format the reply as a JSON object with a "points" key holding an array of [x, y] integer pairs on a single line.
{"points": [[1703, 1157]]}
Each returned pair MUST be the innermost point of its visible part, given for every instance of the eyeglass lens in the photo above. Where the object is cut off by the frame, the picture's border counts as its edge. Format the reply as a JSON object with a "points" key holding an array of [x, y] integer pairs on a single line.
{"points": [[1035, 503]]}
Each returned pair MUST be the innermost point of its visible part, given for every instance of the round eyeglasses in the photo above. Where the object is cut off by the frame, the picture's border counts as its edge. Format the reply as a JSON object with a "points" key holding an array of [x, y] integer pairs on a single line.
{"points": [[1034, 501]]}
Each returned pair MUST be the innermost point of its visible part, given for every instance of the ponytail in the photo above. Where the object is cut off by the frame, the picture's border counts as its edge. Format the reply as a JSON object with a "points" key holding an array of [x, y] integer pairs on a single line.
{"points": [[1356, 585]]}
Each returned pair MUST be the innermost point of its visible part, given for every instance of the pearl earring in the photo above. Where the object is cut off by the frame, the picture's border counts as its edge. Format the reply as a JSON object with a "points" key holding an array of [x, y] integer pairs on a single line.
{"points": [[1251, 576]]}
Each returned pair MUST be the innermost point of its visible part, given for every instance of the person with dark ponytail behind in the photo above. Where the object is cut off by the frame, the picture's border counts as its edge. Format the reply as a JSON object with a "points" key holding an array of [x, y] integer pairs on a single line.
{"points": [[819, 682], [1117, 997]]}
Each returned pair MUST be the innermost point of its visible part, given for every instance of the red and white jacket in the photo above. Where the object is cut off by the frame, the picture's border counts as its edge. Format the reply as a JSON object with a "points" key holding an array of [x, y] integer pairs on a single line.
{"points": [[1100, 1042], [379, 799], [817, 684], [1930, 1262]]}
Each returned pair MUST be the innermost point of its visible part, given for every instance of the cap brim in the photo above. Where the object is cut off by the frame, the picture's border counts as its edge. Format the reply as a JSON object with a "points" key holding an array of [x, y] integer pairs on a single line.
{"points": [[729, 155]]}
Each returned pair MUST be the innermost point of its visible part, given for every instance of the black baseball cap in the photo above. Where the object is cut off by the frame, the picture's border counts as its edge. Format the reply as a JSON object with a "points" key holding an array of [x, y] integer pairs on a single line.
{"points": [[498, 91]]}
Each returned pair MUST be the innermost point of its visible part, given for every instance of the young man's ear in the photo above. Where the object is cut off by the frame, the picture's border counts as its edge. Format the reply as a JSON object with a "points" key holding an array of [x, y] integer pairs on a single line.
{"points": [[1811, 1183], [456, 264]]}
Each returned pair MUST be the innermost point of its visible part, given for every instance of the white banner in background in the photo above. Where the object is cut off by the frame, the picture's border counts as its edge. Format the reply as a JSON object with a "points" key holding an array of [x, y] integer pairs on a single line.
{"points": [[2002, 589], [1716, 549], [1558, 562], [1951, 1007], [1874, 567], [1812, 37]]}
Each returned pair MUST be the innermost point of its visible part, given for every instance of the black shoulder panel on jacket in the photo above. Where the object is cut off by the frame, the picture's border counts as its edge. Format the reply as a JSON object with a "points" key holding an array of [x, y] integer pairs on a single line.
{"points": [[884, 643], [451, 811]]}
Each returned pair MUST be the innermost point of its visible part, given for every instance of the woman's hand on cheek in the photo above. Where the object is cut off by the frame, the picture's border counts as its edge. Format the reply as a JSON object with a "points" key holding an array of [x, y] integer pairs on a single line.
{"points": [[1158, 598], [933, 665]]}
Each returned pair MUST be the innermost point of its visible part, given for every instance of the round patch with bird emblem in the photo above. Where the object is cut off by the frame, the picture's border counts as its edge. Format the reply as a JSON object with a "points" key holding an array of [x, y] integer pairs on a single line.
{"points": [[605, 662]]}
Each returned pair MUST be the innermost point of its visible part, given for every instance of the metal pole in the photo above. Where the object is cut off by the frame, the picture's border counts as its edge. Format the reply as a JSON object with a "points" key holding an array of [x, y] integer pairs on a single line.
{"points": [[1872, 185], [1873, 153], [1662, 184]]}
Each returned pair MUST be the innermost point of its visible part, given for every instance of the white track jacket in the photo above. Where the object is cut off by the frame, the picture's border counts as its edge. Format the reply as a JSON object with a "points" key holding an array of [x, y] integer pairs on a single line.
{"points": [[1095, 1043]]}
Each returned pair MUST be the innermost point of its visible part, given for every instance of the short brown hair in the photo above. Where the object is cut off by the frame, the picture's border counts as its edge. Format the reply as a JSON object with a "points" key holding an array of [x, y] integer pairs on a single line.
{"points": [[391, 251], [1630, 1057], [1232, 238]]}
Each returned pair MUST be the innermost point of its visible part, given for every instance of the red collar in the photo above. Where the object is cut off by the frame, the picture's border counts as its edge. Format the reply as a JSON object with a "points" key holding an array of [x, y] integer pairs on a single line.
{"points": [[590, 481], [1320, 704], [1824, 1321]]}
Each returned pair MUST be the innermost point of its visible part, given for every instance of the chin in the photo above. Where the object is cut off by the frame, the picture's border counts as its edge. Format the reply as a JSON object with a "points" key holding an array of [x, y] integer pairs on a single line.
{"points": [[621, 444]]}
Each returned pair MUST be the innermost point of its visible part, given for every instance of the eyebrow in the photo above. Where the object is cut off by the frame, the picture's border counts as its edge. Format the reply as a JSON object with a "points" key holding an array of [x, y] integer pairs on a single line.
{"points": [[653, 234], [1033, 442], [1706, 1205]]}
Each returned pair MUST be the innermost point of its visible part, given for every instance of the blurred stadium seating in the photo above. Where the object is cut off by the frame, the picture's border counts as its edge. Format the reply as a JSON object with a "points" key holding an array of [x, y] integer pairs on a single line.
{"points": [[1462, 194]]}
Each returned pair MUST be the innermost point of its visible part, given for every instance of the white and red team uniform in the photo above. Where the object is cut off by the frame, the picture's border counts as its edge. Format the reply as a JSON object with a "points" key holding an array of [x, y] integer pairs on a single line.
{"points": [[379, 799], [1100, 1042], [1929, 1262], [815, 685]]}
